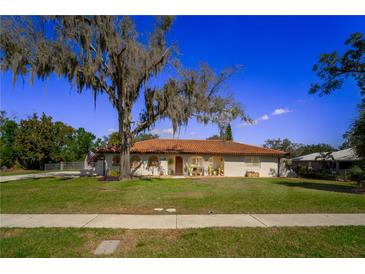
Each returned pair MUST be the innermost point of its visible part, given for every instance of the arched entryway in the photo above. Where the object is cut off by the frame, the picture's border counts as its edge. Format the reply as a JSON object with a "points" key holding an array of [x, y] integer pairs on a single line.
{"points": [[178, 165]]}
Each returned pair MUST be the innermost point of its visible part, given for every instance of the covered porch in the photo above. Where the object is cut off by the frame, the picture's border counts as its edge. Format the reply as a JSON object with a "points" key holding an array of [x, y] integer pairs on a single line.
{"points": [[195, 165]]}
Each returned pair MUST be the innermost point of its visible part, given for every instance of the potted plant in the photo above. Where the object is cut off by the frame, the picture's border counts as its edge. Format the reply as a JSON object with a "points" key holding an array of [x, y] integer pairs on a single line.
{"points": [[186, 169]]}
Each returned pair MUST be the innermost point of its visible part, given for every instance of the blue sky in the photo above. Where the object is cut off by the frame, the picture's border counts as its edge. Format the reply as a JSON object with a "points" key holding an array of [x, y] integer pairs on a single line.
{"points": [[277, 53]]}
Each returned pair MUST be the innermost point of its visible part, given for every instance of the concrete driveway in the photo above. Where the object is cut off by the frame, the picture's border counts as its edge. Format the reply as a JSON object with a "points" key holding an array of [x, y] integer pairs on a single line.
{"points": [[39, 175]]}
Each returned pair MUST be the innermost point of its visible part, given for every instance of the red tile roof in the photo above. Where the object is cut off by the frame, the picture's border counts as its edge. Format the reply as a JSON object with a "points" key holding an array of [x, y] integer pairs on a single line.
{"points": [[196, 147]]}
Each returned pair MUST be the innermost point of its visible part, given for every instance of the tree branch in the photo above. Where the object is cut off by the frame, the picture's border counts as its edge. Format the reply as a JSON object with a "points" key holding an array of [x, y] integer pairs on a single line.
{"points": [[105, 87], [221, 80], [104, 62], [162, 57], [344, 71], [154, 65], [121, 52], [148, 122], [109, 91]]}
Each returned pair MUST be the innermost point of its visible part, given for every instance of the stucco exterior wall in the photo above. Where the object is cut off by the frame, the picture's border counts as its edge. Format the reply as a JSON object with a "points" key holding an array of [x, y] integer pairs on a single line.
{"points": [[233, 165], [143, 169], [238, 166]]}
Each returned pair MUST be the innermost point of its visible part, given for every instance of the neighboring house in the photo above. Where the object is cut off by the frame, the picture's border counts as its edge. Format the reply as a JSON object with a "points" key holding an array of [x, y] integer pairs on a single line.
{"points": [[340, 160], [195, 158]]}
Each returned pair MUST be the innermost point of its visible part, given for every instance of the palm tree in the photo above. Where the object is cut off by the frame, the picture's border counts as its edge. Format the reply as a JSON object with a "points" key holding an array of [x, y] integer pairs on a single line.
{"points": [[327, 160]]}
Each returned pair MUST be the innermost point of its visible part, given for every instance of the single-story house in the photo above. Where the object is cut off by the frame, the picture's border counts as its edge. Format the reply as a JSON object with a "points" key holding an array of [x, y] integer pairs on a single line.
{"points": [[338, 161], [195, 158]]}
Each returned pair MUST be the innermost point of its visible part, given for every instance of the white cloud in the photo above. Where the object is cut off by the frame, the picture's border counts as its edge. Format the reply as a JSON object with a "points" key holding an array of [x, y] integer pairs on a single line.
{"points": [[280, 111], [244, 124], [264, 117], [192, 133], [110, 130], [165, 131]]}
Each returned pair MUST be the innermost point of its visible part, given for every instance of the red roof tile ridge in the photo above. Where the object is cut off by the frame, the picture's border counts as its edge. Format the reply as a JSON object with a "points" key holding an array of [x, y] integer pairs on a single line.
{"points": [[188, 146]]}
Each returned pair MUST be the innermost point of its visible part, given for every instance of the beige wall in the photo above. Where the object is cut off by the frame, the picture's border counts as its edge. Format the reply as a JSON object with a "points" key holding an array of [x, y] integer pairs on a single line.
{"points": [[233, 165], [238, 166], [143, 169]]}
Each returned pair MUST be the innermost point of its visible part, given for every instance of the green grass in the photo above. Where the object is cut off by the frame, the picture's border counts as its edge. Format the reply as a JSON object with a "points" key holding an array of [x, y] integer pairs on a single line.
{"points": [[243, 242], [193, 196]]}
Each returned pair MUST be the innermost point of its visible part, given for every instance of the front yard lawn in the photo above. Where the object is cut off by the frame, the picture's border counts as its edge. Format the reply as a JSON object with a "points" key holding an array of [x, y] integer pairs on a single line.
{"points": [[213, 242], [191, 195]]}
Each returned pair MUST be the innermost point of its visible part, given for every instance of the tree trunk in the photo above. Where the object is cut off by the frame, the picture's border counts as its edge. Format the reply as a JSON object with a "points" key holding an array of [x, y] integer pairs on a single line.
{"points": [[125, 144]]}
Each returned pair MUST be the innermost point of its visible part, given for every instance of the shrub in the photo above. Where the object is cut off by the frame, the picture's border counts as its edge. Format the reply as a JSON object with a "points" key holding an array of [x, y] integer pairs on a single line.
{"points": [[357, 174], [313, 174], [114, 173]]}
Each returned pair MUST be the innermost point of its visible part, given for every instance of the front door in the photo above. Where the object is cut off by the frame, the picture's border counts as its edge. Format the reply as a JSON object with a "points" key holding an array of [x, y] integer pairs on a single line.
{"points": [[178, 165]]}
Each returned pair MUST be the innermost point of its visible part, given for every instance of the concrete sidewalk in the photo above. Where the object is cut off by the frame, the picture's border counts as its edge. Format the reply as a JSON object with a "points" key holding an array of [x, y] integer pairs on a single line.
{"points": [[178, 221], [39, 175]]}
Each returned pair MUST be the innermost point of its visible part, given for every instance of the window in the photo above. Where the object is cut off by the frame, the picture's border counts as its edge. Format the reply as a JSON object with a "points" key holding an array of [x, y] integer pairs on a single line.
{"points": [[253, 161], [135, 161], [153, 161], [115, 160]]}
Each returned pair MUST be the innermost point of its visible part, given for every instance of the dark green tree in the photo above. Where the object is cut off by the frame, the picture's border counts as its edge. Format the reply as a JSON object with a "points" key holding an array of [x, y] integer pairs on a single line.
{"points": [[307, 149], [79, 145], [214, 137], [113, 138], [228, 135], [346, 143], [283, 145], [333, 68], [106, 55], [296, 149], [8, 130], [356, 134], [146, 136], [38, 141]]}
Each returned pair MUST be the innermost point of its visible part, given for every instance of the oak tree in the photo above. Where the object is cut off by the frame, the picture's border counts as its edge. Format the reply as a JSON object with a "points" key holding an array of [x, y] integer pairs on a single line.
{"points": [[8, 128], [105, 54], [333, 68]]}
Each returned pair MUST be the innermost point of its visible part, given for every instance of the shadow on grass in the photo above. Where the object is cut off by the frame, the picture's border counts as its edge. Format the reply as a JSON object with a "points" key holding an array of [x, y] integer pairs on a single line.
{"points": [[150, 179], [133, 179], [323, 186], [65, 178]]}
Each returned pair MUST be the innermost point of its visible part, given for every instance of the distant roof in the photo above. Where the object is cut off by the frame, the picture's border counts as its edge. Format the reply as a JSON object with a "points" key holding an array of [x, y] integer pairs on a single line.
{"points": [[341, 155], [196, 147]]}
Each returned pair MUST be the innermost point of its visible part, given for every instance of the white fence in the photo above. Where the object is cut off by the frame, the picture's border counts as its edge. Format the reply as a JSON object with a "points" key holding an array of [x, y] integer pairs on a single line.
{"points": [[65, 166]]}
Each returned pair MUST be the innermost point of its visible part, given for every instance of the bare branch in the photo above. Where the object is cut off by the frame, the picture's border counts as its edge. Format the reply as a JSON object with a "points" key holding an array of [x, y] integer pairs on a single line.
{"points": [[222, 79]]}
